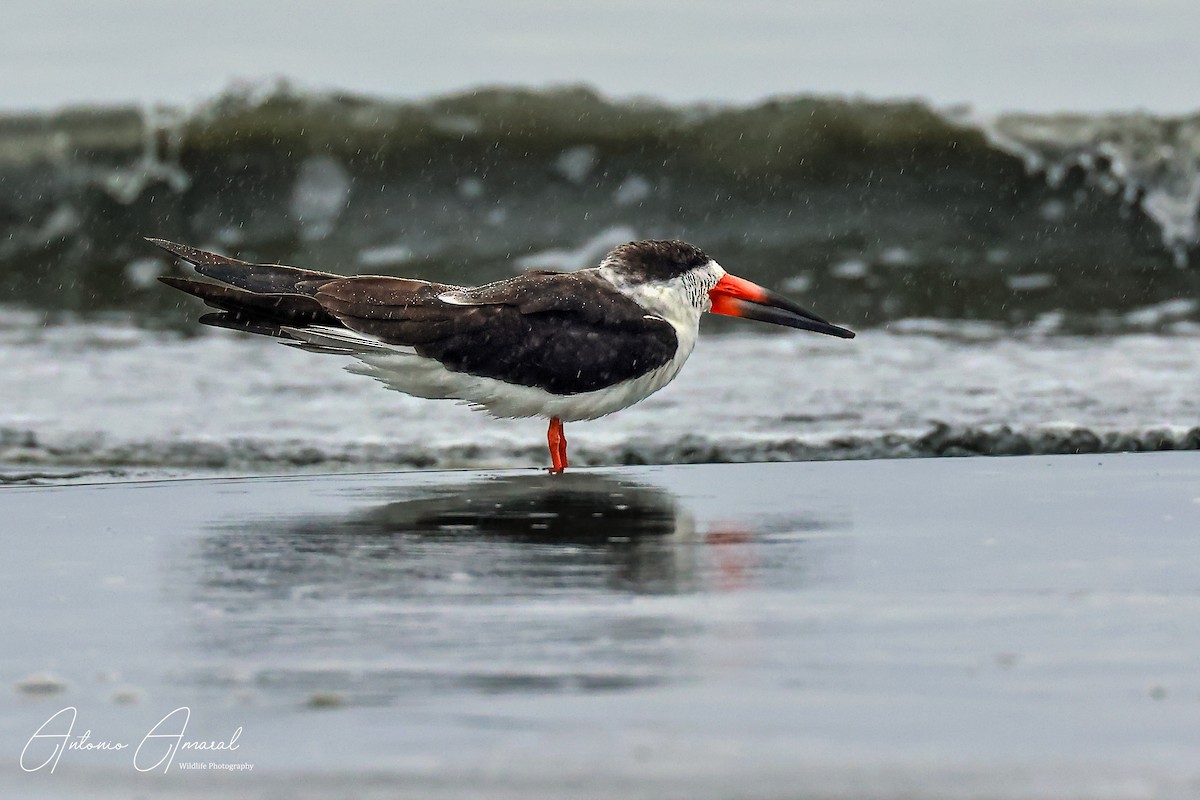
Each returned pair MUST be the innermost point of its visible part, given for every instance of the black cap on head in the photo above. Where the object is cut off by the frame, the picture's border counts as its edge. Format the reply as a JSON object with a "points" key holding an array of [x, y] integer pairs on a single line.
{"points": [[655, 260]]}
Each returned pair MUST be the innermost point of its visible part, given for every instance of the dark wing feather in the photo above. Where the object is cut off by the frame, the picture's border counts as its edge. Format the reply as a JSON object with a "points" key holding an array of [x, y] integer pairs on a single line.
{"points": [[581, 293], [261, 278], [254, 312], [565, 333], [257, 298]]}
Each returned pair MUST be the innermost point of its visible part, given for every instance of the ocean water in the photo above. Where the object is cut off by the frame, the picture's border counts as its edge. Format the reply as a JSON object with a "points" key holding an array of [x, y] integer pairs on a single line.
{"points": [[872, 211], [1023, 283], [93, 400]]}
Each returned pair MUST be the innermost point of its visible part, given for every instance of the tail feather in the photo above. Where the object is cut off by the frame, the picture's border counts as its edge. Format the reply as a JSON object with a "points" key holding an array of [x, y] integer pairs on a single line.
{"points": [[271, 310], [237, 321], [305, 308], [259, 278], [256, 298], [194, 255], [329, 338], [324, 349]]}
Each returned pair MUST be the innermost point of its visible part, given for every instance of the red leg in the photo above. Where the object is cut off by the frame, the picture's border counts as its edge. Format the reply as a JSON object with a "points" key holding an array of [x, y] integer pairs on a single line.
{"points": [[558, 446], [562, 447]]}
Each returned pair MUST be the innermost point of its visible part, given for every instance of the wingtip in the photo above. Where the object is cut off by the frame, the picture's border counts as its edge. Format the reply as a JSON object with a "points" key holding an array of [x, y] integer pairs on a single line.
{"points": [[165, 244], [174, 282]]}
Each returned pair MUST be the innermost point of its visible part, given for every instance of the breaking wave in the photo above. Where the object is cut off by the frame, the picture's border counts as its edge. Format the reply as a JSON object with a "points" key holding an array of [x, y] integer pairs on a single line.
{"points": [[873, 211]]}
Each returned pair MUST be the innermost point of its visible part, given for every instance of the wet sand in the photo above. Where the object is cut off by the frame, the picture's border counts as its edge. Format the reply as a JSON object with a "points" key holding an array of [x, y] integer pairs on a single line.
{"points": [[936, 628]]}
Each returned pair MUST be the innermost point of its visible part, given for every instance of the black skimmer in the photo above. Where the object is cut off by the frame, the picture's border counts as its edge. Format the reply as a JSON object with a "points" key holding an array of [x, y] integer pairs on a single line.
{"points": [[567, 346]]}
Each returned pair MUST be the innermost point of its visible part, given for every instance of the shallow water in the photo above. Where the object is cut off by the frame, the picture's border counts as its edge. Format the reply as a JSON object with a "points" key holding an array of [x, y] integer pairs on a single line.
{"points": [[1016, 627], [121, 398]]}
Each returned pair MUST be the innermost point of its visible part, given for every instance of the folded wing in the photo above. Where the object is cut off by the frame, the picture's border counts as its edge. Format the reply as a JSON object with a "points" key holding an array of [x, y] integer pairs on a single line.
{"points": [[565, 333]]}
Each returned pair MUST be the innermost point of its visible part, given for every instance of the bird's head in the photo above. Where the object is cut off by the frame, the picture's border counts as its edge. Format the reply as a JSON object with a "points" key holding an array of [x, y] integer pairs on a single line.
{"points": [[667, 275]]}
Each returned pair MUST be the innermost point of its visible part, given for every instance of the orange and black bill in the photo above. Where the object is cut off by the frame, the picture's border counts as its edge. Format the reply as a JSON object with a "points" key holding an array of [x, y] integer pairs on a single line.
{"points": [[738, 297]]}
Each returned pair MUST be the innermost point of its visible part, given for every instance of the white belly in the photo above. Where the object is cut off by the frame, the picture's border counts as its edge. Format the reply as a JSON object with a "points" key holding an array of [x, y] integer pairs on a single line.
{"points": [[422, 377]]}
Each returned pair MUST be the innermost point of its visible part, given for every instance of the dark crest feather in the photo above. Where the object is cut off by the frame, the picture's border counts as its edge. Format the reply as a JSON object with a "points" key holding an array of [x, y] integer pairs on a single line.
{"points": [[656, 260]]}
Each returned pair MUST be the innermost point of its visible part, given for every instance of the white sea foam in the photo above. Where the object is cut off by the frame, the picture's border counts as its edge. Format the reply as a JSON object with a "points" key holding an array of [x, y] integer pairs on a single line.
{"points": [[384, 255], [576, 163], [237, 403], [319, 196], [588, 253], [1135, 155]]}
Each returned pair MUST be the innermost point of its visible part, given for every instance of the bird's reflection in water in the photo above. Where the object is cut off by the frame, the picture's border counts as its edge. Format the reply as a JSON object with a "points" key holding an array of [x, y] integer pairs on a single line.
{"points": [[567, 509], [524, 535], [493, 585], [637, 536]]}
